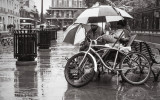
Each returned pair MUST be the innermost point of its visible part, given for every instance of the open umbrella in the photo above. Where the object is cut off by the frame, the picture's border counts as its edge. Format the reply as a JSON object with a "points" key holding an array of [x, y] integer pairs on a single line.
{"points": [[100, 13], [124, 13], [76, 33]]}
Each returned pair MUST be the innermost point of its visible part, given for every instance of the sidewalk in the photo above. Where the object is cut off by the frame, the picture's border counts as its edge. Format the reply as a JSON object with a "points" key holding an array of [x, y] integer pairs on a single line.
{"points": [[46, 80]]}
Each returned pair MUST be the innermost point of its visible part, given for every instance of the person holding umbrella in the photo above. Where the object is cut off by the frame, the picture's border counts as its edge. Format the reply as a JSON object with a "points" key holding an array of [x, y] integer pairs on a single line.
{"points": [[123, 30]]}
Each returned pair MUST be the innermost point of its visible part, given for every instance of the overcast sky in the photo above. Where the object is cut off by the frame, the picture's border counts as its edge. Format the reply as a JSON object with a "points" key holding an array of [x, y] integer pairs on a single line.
{"points": [[46, 4]]}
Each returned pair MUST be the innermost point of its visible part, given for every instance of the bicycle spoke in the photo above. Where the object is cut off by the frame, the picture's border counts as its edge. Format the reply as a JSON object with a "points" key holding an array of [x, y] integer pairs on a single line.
{"points": [[79, 70], [135, 68]]}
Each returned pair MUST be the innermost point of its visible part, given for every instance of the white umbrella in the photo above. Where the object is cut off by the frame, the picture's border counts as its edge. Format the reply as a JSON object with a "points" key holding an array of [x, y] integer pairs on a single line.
{"points": [[124, 13], [101, 13], [107, 19]]}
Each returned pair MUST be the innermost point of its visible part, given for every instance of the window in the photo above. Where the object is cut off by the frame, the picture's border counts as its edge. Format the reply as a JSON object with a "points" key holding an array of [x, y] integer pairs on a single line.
{"points": [[65, 3], [60, 3], [70, 3], [80, 4], [75, 3]]}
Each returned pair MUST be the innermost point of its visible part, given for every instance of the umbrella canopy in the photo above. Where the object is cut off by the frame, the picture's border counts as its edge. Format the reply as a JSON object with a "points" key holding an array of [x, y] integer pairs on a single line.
{"points": [[124, 13], [76, 33], [100, 13], [103, 10]]}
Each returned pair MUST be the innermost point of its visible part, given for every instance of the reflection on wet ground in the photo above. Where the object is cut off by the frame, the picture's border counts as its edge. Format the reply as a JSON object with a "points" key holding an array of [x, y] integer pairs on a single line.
{"points": [[111, 91], [46, 80]]}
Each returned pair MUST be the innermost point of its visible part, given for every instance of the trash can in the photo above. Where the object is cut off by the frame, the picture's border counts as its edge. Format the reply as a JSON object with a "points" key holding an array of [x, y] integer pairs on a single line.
{"points": [[53, 34], [25, 45], [44, 39]]}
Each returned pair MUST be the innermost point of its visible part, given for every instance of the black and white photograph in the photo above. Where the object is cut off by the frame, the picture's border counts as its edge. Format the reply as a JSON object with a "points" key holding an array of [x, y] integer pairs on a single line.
{"points": [[79, 49]]}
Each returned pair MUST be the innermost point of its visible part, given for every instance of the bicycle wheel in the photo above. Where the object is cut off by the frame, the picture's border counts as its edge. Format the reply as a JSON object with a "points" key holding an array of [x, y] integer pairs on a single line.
{"points": [[76, 75], [135, 68]]}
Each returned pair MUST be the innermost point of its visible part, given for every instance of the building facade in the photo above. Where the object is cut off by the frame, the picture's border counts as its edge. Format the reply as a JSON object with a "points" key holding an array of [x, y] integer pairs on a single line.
{"points": [[9, 14], [62, 12], [28, 14]]}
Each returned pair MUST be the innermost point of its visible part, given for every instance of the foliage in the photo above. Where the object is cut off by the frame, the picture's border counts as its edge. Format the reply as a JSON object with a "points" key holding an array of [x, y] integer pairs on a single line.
{"points": [[130, 4], [136, 4], [90, 3]]}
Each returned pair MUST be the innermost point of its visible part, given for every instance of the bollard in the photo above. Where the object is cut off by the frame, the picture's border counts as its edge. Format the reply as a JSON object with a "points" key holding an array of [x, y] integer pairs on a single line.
{"points": [[25, 45]]}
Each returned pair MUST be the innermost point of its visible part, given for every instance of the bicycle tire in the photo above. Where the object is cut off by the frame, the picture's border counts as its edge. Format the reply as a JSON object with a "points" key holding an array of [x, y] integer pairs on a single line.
{"points": [[78, 77], [139, 66]]}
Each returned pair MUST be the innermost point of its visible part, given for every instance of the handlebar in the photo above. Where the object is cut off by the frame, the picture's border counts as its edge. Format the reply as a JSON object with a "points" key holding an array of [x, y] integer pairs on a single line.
{"points": [[93, 40]]}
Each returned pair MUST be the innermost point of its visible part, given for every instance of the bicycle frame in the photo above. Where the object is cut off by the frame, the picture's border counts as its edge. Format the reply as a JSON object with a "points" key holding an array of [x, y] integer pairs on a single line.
{"points": [[99, 57]]}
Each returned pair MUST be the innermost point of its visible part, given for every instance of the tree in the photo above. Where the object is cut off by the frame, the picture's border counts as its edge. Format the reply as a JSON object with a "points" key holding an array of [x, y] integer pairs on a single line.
{"points": [[136, 4], [90, 3]]}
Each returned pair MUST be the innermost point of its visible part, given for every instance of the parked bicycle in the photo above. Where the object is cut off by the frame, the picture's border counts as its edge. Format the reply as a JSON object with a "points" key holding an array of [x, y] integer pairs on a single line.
{"points": [[7, 41], [134, 67]]}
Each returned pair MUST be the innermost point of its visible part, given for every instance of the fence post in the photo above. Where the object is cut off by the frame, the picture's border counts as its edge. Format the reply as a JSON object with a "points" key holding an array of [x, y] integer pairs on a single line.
{"points": [[25, 46]]}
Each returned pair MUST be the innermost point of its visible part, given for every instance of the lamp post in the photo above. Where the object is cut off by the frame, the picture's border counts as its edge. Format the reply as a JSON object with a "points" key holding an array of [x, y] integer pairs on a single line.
{"points": [[41, 11]]}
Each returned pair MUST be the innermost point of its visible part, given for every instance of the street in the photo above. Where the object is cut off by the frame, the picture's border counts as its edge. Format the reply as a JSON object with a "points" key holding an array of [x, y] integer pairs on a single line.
{"points": [[46, 81]]}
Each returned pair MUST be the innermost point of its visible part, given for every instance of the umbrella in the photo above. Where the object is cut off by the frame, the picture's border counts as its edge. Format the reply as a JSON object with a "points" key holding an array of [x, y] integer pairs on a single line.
{"points": [[76, 33], [124, 13], [100, 13]]}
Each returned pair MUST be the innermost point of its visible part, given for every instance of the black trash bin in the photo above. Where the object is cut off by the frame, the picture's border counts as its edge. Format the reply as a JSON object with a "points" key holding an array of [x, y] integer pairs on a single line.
{"points": [[44, 39], [53, 34], [25, 45]]}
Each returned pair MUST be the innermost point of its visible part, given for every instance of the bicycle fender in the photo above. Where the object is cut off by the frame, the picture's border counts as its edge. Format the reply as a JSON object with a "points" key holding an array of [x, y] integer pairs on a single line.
{"points": [[94, 60]]}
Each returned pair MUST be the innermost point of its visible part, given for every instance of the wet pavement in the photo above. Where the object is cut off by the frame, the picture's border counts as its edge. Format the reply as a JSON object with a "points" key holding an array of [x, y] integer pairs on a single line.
{"points": [[45, 81]]}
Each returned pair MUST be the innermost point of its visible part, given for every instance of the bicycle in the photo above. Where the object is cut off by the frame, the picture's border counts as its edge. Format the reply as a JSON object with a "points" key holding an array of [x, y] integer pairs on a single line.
{"points": [[81, 67]]}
